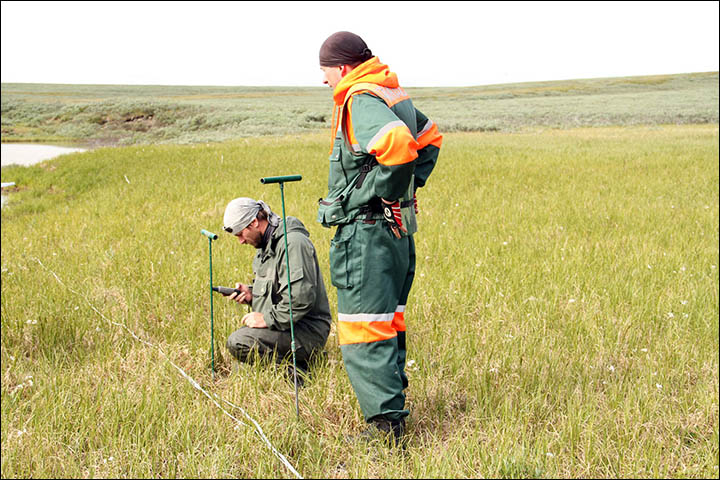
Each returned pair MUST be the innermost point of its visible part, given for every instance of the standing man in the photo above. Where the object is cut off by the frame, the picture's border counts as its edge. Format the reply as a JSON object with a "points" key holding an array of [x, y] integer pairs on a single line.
{"points": [[383, 150], [267, 328]]}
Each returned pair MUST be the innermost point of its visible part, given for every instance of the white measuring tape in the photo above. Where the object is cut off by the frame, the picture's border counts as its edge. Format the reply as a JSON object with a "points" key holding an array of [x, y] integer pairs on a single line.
{"points": [[187, 377]]}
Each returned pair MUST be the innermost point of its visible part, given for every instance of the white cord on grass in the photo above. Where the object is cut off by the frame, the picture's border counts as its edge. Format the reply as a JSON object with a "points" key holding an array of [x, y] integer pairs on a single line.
{"points": [[187, 377]]}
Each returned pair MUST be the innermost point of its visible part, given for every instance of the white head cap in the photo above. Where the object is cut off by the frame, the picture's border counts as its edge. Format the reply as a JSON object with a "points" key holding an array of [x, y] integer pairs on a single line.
{"points": [[241, 211]]}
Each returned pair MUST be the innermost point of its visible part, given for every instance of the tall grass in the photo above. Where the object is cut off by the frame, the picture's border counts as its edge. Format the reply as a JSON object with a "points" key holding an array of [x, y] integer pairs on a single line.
{"points": [[563, 321]]}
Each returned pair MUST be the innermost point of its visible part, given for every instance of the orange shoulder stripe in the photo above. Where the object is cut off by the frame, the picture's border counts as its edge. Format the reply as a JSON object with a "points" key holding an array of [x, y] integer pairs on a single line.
{"points": [[395, 145], [430, 136]]}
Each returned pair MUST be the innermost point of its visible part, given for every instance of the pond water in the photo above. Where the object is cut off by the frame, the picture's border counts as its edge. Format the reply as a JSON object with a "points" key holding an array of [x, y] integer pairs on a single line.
{"points": [[29, 154]]}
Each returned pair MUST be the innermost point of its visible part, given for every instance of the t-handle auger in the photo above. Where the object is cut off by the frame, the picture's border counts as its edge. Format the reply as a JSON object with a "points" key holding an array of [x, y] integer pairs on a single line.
{"points": [[211, 236], [281, 181]]}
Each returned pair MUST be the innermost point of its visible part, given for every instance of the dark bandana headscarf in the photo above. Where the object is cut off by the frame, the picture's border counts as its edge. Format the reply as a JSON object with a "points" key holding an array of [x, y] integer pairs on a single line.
{"points": [[344, 48]]}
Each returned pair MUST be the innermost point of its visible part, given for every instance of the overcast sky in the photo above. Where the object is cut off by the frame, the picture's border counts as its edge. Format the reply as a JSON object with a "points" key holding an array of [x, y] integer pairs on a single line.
{"points": [[425, 43]]}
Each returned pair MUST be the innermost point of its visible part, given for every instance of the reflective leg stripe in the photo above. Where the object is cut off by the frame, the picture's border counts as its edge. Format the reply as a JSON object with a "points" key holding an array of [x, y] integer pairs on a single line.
{"points": [[370, 327], [365, 327], [398, 321]]}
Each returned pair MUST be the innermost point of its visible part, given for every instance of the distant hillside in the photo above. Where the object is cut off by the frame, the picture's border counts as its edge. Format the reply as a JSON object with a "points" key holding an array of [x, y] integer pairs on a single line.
{"points": [[116, 114]]}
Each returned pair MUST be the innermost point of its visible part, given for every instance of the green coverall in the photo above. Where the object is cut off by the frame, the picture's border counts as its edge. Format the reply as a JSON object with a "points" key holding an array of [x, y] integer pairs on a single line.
{"points": [[383, 148]]}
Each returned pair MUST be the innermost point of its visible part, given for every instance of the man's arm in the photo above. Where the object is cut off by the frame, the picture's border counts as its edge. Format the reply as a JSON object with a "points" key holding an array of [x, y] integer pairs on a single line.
{"points": [[429, 143]]}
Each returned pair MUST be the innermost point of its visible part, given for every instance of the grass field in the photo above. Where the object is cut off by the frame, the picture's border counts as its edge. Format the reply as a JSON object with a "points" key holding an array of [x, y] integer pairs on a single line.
{"points": [[563, 320]]}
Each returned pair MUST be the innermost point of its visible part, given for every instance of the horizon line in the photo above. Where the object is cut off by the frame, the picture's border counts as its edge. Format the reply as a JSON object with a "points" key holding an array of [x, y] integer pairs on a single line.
{"points": [[322, 86]]}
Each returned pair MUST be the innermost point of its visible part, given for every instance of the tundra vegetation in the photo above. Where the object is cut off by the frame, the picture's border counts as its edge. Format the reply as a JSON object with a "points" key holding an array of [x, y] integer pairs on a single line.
{"points": [[563, 321]]}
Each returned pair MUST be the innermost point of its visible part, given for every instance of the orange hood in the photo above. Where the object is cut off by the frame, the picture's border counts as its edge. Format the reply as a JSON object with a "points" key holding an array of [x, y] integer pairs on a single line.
{"points": [[371, 71]]}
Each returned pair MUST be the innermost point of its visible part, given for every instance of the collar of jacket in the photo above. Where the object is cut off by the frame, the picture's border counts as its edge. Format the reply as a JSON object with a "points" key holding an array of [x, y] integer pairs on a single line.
{"points": [[267, 235], [371, 71], [268, 249]]}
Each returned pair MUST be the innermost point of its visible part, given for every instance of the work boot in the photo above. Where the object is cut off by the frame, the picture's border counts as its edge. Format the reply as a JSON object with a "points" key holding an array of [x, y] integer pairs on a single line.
{"points": [[390, 432], [393, 430]]}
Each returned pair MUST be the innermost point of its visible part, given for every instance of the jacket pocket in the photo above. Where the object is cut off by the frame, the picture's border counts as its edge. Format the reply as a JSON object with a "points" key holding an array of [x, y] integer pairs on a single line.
{"points": [[261, 288], [345, 258], [331, 212]]}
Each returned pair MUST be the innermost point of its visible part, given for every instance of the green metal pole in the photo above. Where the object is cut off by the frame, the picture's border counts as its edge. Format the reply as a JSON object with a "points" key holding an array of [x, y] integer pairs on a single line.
{"points": [[287, 268], [212, 319], [281, 180], [211, 236]]}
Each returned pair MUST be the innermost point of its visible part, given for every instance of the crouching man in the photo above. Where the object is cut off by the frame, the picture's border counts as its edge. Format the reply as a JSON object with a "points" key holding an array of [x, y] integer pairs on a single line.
{"points": [[267, 328]]}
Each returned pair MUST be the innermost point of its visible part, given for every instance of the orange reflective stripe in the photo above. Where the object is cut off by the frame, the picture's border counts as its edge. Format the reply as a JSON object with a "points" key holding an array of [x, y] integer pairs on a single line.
{"points": [[396, 147], [365, 332], [334, 125], [398, 321], [348, 124], [431, 136]]}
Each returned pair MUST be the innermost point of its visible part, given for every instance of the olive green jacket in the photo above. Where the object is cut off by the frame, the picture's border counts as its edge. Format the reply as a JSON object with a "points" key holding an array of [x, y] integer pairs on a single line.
{"points": [[310, 308]]}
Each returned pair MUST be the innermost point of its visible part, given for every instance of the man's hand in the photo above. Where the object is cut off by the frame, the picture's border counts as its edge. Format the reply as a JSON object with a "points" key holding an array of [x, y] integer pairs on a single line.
{"points": [[393, 216], [244, 297], [254, 320]]}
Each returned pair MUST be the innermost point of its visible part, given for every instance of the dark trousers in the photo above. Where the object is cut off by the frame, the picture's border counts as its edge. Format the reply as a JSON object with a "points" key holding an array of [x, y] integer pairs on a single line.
{"points": [[268, 343]]}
